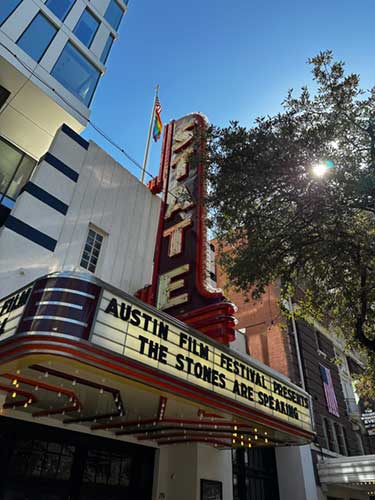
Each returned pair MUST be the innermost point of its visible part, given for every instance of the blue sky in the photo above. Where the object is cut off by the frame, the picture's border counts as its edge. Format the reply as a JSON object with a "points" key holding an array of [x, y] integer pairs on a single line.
{"points": [[228, 59]]}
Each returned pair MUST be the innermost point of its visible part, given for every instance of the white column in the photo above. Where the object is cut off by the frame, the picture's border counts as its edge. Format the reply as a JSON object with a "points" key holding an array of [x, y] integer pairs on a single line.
{"points": [[295, 473]]}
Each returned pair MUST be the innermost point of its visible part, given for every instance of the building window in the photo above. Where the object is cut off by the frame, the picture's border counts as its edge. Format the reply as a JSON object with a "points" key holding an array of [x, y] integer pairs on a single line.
{"points": [[107, 48], [117, 470], [340, 439], [91, 250], [113, 14], [60, 7], [329, 435], [86, 28], [360, 443], [320, 343], [15, 170], [37, 37], [42, 459], [7, 7], [76, 73]]}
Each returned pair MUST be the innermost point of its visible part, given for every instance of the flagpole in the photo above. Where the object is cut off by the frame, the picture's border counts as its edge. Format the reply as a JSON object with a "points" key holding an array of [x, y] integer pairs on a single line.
{"points": [[147, 150]]}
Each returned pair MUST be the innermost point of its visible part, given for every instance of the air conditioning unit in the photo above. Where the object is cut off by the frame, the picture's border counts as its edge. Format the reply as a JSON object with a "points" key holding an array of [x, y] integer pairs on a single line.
{"points": [[4, 94]]}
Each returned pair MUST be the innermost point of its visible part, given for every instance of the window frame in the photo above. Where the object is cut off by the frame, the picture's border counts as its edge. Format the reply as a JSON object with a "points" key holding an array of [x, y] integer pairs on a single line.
{"points": [[39, 13], [24, 155], [318, 340], [110, 37], [343, 450], [330, 437], [115, 28], [360, 442], [103, 235], [11, 12], [94, 33], [67, 12], [71, 43]]}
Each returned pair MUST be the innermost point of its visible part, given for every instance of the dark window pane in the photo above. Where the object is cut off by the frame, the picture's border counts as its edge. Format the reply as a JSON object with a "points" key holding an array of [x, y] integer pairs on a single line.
{"points": [[59, 7], [37, 36], [65, 467], [114, 14], [35, 464], [10, 158], [7, 7], [86, 28], [50, 465], [76, 73], [15, 170], [107, 48], [91, 250], [21, 177]]}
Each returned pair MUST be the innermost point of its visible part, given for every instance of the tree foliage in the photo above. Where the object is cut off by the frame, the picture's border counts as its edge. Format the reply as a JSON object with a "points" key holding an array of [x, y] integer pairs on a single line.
{"points": [[281, 221]]}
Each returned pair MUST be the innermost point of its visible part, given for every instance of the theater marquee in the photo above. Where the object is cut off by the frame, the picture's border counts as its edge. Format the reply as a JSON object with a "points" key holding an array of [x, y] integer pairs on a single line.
{"points": [[127, 328], [75, 348]]}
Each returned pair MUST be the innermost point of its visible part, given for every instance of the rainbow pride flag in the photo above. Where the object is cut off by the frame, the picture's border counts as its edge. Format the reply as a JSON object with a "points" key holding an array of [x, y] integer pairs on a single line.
{"points": [[158, 126]]}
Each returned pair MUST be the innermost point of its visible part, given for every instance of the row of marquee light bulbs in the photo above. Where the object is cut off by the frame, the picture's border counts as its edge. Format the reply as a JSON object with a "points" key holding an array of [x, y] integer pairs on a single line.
{"points": [[239, 439], [16, 385]]}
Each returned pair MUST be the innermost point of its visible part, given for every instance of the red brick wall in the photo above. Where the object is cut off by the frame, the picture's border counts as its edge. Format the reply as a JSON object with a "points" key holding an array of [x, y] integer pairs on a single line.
{"points": [[267, 338]]}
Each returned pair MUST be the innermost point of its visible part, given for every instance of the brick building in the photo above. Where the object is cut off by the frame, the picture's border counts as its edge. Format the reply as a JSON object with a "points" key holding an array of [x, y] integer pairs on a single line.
{"points": [[304, 352]]}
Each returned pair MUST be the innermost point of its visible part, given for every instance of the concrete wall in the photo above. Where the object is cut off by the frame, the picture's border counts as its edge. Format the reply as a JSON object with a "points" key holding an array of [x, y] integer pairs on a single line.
{"points": [[95, 190]]}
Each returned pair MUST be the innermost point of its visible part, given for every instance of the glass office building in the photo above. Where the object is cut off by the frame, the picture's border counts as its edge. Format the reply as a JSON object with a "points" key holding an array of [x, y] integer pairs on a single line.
{"points": [[52, 56]]}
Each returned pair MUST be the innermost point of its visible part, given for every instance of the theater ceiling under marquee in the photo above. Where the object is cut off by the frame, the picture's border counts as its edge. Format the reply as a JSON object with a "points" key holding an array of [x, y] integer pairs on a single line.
{"points": [[82, 353]]}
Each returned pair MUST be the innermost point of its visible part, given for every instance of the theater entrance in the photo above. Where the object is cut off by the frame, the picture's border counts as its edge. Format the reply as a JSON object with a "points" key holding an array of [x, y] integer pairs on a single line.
{"points": [[255, 474], [40, 462]]}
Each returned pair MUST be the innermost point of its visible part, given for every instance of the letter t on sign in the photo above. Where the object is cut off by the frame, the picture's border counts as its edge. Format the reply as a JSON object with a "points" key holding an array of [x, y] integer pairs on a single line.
{"points": [[166, 286], [176, 233]]}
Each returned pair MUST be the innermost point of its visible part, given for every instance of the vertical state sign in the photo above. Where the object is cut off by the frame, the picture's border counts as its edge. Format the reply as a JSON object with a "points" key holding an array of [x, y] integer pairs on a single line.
{"points": [[182, 280]]}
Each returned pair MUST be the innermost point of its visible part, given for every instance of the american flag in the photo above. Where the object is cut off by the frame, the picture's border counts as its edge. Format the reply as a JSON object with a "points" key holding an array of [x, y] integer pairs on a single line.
{"points": [[329, 391], [158, 108]]}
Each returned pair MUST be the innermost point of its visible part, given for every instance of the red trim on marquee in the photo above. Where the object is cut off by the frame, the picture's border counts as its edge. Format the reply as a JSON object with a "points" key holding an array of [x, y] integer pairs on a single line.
{"points": [[67, 347], [48, 387], [27, 395], [207, 441]]}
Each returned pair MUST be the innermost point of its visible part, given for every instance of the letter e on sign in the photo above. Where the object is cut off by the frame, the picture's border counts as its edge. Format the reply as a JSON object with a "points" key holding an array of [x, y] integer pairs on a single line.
{"points": [[166, 286]]}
